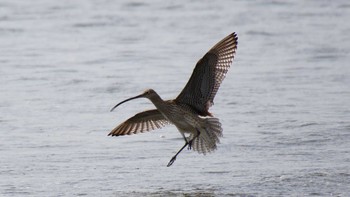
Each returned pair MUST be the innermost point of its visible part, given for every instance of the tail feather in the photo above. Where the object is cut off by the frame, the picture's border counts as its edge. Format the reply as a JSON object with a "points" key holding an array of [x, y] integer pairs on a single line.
{"points": [[208, 137]]}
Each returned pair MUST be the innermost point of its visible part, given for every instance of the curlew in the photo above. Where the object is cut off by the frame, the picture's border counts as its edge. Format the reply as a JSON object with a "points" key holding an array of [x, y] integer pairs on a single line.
{"points": [[189, 111]]}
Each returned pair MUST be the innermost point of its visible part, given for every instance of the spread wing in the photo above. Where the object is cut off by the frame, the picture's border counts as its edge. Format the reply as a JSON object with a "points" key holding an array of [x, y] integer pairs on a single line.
{"points": [[141, 122], [208, 74]]}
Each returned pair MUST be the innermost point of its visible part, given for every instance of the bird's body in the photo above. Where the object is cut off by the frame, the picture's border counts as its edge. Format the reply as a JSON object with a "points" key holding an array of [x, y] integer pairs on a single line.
{"points": [[189, 111], [187, 121]]}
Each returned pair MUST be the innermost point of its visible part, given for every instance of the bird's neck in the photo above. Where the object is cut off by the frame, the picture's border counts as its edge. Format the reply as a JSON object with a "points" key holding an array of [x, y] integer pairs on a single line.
{"points": [[157, 100]]}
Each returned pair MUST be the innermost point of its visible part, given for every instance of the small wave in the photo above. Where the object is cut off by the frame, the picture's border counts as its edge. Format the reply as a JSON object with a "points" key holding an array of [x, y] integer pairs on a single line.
{"points": [[308, 124]]}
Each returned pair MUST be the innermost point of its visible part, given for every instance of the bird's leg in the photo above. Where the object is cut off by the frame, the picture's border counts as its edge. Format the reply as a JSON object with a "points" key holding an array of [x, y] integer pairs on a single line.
{"points": [[190, 145], [174, 157], [183, 135], [191, 141], [186, 141]]}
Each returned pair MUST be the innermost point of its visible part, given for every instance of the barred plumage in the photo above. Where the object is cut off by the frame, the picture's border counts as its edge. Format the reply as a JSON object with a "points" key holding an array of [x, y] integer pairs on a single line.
{"points": [[189, 111], [209, 136], [141, 122], [208, 74]]}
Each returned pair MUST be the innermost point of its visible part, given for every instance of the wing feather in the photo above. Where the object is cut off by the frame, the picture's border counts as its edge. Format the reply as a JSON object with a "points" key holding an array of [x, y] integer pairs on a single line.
{"points": [[141, 122], [208, 74]]}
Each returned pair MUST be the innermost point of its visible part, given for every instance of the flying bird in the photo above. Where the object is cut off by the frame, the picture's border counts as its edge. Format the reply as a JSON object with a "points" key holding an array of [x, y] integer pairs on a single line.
{"points": [[189, 110]]}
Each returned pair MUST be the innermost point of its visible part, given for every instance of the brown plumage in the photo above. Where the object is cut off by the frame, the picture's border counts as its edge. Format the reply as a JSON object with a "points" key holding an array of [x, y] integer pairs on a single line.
{"points": [[189, 111], [207, 76]]}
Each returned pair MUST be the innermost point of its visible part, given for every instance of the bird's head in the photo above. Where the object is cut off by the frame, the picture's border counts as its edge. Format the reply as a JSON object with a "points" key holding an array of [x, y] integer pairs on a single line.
{"points": [[146, 94]]}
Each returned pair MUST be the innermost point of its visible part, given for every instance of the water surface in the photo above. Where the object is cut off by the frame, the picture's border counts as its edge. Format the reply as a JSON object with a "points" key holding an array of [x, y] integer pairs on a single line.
{"points": [[284, 104]]}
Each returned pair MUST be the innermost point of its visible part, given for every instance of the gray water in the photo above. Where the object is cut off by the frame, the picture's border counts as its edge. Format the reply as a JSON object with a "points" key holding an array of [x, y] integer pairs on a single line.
{"points": [[284, 105]]}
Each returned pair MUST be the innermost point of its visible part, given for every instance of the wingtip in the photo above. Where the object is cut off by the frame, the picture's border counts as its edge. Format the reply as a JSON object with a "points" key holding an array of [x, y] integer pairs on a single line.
{"points": [[234, 34], [235, 37]]}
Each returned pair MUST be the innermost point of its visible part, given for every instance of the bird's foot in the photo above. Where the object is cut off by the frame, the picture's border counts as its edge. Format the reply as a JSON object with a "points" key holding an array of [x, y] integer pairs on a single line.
{"points": [[172, 160], [189, 145]]}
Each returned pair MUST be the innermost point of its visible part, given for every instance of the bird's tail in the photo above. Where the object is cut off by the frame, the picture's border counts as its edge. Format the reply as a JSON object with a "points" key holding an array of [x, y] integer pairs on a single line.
{"points": [[208, 136]]}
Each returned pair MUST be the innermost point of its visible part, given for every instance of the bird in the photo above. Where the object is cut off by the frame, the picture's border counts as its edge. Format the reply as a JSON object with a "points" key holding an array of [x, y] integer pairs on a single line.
{"points": [[189, 110]]}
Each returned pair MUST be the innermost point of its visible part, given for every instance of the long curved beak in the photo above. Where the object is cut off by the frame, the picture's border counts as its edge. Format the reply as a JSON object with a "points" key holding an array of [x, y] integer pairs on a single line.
{"points": [[135, 97]]}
